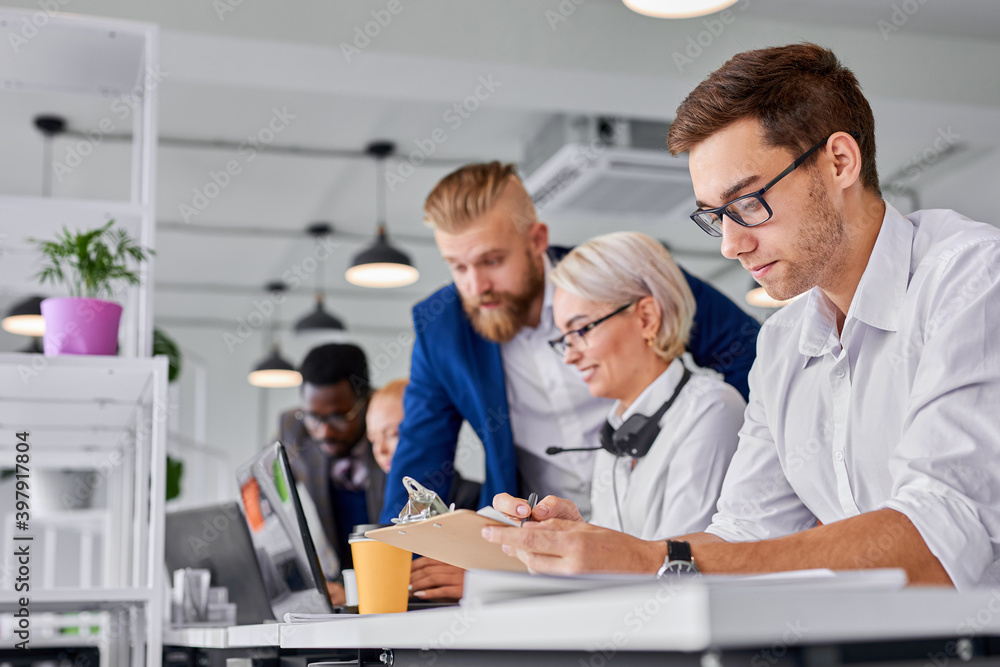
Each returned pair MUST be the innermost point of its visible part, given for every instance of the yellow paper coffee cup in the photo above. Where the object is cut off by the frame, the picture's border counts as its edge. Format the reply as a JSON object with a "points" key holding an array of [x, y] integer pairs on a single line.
{"points": [[383, 573]]}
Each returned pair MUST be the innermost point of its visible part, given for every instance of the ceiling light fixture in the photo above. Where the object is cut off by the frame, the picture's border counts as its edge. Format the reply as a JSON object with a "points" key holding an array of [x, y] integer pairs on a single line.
{"points": [[677, 9], [319, 319], [50, 127], [274, 371], [381, 265], [25, 317]]}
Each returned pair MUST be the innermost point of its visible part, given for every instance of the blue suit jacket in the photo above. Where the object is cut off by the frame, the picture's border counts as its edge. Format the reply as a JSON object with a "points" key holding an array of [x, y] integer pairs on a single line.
{"points": [[457, 374]]}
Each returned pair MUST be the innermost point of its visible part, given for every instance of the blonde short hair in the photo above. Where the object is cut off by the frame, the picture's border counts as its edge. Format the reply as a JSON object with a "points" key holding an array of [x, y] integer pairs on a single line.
{"points": [[394, 390], [468, 193], [626, 266]]}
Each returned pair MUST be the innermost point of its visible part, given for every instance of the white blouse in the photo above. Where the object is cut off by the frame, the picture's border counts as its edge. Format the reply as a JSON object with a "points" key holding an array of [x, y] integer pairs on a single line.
{"points": [[672, 490]]}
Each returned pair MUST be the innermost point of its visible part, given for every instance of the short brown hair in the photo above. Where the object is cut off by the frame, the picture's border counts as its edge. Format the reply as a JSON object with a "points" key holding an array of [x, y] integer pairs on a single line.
{"points": [[799, 94], [471, 191]]}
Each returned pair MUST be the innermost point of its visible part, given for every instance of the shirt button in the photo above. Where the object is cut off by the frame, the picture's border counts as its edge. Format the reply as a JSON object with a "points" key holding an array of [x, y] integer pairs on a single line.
{"points": [[840, 372], [839, 456]]}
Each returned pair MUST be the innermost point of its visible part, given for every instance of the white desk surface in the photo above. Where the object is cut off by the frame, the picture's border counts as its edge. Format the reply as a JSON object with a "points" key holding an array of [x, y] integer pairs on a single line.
{"points": [[238, 636], [686, 617]]}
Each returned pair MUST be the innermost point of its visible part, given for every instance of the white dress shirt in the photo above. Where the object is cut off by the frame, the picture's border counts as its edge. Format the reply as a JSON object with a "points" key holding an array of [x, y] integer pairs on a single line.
{"points": [[674, 488], [549, 405], [900, 411]]}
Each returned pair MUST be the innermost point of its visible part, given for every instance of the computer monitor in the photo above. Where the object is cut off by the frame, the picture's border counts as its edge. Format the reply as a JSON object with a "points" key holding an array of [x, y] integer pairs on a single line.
{"points": [[216, 538], [287, 558]]}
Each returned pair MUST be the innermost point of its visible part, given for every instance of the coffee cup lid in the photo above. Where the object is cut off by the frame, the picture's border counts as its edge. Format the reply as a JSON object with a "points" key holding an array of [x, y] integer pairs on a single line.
{"points": [[358, 533]]}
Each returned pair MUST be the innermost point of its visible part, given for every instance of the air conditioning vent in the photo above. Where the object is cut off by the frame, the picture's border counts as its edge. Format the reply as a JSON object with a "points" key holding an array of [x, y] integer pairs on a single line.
{"points": [[631, 182], [595, 166]]}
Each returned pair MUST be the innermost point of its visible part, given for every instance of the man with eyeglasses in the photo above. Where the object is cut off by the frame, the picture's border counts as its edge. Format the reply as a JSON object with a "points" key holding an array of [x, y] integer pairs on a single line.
{"points": [[327, 447], [870, 437]]}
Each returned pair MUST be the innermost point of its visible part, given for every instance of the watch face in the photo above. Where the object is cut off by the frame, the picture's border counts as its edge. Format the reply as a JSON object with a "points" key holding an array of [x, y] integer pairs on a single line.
{"points": [[677, 567]]}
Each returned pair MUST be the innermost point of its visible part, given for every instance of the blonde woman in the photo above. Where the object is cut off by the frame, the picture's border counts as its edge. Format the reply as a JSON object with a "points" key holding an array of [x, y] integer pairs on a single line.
{"points": [[625, 312]]}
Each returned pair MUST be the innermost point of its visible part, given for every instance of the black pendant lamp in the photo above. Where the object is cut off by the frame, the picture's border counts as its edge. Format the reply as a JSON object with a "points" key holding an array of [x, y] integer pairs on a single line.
{"points": [[25, 317], [319, 320], [50, 127], [381, 265], [274, 371]]}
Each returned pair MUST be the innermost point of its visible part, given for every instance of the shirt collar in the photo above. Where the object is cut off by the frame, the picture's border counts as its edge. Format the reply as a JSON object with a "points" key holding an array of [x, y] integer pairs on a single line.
{"points": [[878, 298], [652, 397]]}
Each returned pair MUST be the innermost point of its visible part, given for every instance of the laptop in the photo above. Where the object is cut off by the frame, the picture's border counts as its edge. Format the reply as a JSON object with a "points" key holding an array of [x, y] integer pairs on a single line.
{"points": [[216, 538], [288, 565]]}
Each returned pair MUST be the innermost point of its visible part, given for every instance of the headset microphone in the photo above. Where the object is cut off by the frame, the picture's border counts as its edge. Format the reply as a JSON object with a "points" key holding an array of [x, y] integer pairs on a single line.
{"points": [[559, 450], [635, 437]]}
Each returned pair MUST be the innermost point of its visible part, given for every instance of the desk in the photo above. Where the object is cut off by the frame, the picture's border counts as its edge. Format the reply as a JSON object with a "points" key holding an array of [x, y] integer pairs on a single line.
{"points": [[691, 623], [237, 636]]}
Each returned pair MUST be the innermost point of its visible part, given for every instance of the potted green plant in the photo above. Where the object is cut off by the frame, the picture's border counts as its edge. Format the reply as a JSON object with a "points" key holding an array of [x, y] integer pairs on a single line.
{"points": [[91, 264]]}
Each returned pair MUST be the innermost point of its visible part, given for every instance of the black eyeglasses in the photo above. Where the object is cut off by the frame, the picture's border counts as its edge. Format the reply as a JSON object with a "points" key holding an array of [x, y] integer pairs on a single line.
{"points": [[575, 340], [336, 420], [750, 209]]}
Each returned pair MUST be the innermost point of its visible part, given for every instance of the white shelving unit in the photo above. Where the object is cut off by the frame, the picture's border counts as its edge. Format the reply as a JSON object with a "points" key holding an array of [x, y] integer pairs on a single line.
{"points": [[104, 418], [87, 63]]}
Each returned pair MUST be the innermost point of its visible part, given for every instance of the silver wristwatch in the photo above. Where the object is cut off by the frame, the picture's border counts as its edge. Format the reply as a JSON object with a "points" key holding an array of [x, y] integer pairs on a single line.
{"points": [[678, 560]]}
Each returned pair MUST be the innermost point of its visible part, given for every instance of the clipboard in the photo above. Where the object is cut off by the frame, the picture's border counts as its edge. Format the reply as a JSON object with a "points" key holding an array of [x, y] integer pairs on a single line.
{"points": [[454, 538]]}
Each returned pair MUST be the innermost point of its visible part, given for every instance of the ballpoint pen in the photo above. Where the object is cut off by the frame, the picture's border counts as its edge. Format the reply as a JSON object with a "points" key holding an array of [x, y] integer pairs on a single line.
{"points": [[532, 501]]}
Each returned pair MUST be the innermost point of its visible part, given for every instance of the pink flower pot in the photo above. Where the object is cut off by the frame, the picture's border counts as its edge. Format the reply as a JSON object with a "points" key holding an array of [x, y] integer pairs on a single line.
{"points": [[80, 326]]}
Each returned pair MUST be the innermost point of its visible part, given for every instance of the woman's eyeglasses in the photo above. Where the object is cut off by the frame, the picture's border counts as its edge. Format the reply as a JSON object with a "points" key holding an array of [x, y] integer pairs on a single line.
{"points": [[576, 339]]}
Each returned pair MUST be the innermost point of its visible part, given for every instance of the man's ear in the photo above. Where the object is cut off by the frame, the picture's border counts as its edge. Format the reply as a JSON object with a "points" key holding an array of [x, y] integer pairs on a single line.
{"points": [[538, 237], [846, 154]]}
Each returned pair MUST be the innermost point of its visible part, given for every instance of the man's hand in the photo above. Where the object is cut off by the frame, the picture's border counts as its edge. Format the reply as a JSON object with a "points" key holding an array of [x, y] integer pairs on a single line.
{"points": [[433, 580], [561, 546], [337, 595], [550, 507]]}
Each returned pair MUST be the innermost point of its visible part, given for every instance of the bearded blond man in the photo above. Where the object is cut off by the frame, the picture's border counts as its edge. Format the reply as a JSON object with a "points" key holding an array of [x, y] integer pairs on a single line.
{"points": [[481, 352]]}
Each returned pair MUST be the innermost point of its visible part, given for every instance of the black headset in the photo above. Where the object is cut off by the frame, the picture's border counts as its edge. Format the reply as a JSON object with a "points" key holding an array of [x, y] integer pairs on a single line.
{"points": [[636, 436]]}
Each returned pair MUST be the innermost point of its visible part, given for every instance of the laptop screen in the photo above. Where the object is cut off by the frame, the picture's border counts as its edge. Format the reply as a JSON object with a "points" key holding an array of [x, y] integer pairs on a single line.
{"points": [[285, 552]]}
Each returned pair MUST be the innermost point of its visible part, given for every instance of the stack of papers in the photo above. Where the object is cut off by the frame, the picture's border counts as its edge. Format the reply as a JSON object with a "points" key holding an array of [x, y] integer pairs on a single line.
{"points": [[486, 587]]}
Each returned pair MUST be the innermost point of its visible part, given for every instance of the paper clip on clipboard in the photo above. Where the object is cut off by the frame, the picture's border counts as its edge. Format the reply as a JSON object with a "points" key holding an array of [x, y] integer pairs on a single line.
{"points": [[428, 527]]}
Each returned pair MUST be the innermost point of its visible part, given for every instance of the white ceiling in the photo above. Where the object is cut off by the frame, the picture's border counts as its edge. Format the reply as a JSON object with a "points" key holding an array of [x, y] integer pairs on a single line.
{"points": [[225, 74]]}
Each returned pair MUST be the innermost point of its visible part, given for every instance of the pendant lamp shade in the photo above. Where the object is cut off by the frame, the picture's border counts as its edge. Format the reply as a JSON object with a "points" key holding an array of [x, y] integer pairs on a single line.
{"points": [[25, 317], [677, 9], [275, 372], [381, 265], [319, 320]]}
